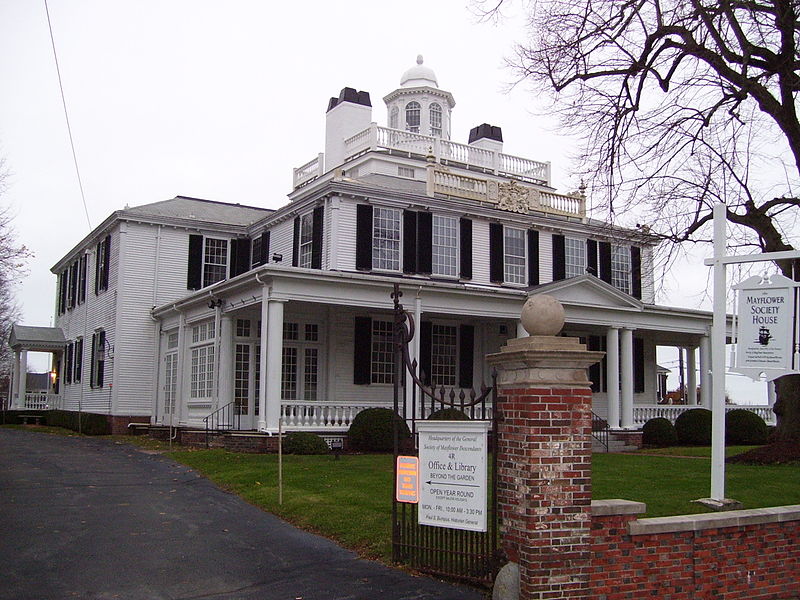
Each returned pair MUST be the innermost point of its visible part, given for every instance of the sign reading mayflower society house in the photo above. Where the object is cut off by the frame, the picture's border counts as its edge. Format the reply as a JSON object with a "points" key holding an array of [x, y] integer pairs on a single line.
{"points": [[452, 464], [766, 321]]}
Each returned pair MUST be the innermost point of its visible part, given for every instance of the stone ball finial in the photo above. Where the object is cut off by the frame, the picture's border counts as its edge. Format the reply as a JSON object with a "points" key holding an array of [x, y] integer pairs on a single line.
{"points": [[542, 315], [419, 59]]}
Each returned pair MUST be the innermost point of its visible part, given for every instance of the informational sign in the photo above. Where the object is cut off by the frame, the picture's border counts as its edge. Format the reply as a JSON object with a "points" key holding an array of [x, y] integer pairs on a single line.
{"points": [[452, 461], [407, 479], [765, 325]]}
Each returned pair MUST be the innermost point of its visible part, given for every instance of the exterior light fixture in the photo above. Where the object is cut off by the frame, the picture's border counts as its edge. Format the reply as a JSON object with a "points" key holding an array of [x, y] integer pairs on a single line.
{"points": [[276, 257]]}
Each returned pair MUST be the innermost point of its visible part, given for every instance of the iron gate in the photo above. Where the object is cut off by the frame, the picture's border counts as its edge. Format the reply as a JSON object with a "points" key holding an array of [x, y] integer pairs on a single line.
{"points": [[467, 555]]}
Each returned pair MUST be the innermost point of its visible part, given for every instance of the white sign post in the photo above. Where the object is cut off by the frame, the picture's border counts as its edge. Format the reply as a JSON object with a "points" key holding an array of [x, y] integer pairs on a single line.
{"points": [[452, 474], [719, 263]]}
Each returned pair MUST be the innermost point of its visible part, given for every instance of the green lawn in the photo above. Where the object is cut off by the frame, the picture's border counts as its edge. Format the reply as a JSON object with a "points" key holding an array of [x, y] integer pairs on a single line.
{"points": [[350, 499]]}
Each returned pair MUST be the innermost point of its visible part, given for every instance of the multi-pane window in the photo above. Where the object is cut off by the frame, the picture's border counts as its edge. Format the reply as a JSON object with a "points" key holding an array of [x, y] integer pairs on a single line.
{"points": [[242, 327], [241, 379], [257, 378], [170, 382], [78, 369], [574, 257], [101, 266], [436, 119], [405, 172], [444, 348], [98, 359], [412, 117], [255, 252], [306, 240], [215, 261], [382, 360], [445, 246], [514, 255], [621, 268], [386, 239], [202, 361], [394, 117], [301, 368]]}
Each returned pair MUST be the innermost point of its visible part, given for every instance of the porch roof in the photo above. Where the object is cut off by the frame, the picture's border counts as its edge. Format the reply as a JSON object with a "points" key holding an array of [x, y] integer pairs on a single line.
{"points": [[36, 339]]}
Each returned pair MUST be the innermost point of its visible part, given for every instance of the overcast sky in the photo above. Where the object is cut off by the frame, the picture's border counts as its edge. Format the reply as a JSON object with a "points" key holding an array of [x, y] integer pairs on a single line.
{"points": [[219, 100]]}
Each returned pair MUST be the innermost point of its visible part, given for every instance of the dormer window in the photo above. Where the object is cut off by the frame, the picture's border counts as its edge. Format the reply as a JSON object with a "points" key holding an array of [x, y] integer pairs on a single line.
{"points": [[412, 117], [436, 119], [394, 117]]}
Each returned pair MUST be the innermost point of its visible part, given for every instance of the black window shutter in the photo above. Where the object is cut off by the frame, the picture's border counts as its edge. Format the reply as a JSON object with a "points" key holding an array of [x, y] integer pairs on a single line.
{"points": [[316, 237], [194, 273], [107, 263], [533, 257], [92, 363], [296, 243], [97, 263], [62, 292], [466, 355], [68, 365], [264, 248], [364, 237], [605, 261], [591, 257], [496, 271], [362, 351], [73, 284], [636, 272], [425, 352], [409, 241], [593, 344], [465, 251], [240, 256], [425, 243], [82, 282], [559, 258], [638, 365]]}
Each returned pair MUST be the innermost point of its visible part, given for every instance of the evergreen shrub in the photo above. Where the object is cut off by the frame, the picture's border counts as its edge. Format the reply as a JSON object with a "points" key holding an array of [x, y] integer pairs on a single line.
{"points": [[371, 430], [694, 427], [304, 442], [746, 428], [448, 414], [659, 432]]}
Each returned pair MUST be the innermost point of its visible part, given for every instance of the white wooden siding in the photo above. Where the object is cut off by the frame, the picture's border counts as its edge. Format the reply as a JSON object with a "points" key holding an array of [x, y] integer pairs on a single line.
{"points": [[281, 240]]}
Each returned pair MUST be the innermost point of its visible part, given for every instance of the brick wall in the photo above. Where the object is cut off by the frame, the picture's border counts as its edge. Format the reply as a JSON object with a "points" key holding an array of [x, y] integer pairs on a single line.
{"points": [[119, 424], [737, 555]]}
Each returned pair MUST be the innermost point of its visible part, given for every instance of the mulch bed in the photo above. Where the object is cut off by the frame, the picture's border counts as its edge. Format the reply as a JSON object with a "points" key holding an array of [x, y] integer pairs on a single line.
{"points": [[777, 453]]}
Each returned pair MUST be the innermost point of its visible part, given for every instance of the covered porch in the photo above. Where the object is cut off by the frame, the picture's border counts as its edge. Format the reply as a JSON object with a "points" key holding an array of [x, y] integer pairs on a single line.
{"points": [[23, 340]]}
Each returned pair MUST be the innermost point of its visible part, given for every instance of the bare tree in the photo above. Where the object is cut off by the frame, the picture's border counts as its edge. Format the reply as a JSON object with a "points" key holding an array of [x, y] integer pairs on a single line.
{"points": [[13, 258], [680, 104]]}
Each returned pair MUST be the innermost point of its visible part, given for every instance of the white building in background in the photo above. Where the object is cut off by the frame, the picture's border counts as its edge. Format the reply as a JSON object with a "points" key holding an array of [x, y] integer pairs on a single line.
{"points": [[176, 309]]}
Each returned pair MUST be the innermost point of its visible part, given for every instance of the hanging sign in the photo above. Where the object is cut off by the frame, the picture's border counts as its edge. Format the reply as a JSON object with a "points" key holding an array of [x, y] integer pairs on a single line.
{"points": [[765, 327], [452, 457]]}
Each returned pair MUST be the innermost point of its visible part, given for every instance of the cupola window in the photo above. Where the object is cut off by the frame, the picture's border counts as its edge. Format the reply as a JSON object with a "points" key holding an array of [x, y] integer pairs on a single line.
{"points": [[394, 117], [412, 117], [436, 119]]}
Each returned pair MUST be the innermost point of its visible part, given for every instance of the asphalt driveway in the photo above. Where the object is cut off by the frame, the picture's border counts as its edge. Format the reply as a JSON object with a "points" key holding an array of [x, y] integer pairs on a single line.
{"points": [[88, 518]]}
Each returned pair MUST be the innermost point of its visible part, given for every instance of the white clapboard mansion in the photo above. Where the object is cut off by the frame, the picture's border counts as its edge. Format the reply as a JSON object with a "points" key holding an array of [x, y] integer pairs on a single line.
{"points": [[170, 311]]}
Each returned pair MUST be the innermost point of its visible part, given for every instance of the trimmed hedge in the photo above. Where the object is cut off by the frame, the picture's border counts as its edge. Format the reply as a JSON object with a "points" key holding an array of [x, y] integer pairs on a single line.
{"points": [[448, 414], [659, 432], [371, 430], [746, 428], [91, 423], [304, 442], [694, 427]]}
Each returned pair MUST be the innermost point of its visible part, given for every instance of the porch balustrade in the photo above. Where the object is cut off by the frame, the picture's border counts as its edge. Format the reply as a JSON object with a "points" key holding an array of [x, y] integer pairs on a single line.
{"points": [[644, 412], [42, 401], [322, 416]]}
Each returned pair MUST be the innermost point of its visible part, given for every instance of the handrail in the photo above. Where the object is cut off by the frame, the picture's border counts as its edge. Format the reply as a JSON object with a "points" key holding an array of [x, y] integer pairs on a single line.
{"points": [[600, 430], [222, 419]]}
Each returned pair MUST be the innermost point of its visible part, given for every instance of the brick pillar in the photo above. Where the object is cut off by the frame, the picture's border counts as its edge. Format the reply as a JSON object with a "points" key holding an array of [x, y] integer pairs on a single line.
{"points": [[544, 451]]}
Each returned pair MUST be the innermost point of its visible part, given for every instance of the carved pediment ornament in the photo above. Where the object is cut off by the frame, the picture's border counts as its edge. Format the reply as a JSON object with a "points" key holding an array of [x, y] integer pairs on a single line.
{"points": [[514, 197]]}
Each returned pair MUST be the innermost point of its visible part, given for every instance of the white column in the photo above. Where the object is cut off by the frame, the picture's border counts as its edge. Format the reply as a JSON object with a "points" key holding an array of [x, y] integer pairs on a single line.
{"points": [[521, 331], [626, 347], [272, 383], [225, 362], [612, 376], [12, 400], [705, 372], [262, 365], [22, 380], [691, 377]]}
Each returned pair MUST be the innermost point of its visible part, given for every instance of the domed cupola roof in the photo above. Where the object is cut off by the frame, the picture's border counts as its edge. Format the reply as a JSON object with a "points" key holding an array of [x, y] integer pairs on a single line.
{"points": [[419, 76]]}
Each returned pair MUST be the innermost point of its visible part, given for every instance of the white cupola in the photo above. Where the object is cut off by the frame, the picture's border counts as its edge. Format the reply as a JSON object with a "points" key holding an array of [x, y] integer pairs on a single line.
{"points": [[418, 105]]}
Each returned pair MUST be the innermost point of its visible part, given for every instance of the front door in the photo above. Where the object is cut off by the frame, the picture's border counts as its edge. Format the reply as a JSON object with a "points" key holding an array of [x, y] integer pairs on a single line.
{"points": [[245, 386]]}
